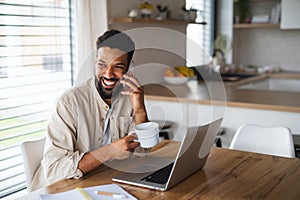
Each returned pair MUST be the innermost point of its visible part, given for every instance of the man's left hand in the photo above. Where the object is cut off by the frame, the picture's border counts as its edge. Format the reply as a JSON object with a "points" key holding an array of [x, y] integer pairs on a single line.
{"points": [[136, 93]]}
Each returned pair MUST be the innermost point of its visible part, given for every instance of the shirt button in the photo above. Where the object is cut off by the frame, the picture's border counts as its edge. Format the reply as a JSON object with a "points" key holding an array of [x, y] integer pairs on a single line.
{"points": [[106, 107], [102, 119]]}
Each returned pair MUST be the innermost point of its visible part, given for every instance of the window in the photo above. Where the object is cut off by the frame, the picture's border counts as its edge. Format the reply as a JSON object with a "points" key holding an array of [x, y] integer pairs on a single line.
{"points": [[36, 65], [201, 35]]}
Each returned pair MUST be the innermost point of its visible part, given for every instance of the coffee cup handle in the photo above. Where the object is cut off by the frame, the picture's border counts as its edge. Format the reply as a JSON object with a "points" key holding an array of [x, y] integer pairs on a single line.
{"points": [[131, 133]]}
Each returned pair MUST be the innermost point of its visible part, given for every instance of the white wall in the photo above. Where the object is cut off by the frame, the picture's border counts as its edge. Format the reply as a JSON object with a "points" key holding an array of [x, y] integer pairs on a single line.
{"points": [[268, 46], [166, 43]]}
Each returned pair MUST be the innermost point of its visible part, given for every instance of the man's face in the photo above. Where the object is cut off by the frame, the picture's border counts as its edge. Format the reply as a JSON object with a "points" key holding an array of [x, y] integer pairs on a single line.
{"points": [[111, 65]]}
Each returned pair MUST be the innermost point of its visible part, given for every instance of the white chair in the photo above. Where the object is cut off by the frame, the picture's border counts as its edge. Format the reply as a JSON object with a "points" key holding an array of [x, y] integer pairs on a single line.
{"points": [[32, 152], [267, 140]]}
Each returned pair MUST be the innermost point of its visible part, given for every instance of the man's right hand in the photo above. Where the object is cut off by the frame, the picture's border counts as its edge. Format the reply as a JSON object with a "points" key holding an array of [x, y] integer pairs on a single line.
{"points": [[119, 149], [122, 148]]}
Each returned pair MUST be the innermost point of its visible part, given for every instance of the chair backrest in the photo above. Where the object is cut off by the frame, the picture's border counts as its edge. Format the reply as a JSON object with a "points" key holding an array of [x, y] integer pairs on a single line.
{"points": [[267, 140], [32, 152]]}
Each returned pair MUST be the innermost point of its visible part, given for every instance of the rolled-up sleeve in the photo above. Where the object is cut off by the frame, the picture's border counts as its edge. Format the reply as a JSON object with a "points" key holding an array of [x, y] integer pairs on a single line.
{"points": [[60, 156]]}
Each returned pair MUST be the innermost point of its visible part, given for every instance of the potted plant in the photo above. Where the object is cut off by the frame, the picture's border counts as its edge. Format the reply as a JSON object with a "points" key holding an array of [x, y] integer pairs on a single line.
{"points": [[162, 12], [188, 15]]}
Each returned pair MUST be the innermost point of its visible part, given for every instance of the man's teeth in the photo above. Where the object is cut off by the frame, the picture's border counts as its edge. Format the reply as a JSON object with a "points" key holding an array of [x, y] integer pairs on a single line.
{"points": [[108, 83]]}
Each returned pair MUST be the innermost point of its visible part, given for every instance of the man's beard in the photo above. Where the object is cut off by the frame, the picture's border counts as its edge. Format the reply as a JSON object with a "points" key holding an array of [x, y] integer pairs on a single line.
{"points": [[108, 93]]}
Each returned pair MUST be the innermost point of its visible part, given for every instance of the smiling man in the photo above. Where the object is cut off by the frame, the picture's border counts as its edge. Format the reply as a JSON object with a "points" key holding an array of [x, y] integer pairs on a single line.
{"points": [[90, 122]]}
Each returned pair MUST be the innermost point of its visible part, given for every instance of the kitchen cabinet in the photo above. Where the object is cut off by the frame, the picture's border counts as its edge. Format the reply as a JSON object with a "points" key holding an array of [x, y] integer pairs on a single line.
{"points": [[290, 14], [175, 112], [257, 44], [257, 8], [235, 116], [190, 105], [186, 115]]}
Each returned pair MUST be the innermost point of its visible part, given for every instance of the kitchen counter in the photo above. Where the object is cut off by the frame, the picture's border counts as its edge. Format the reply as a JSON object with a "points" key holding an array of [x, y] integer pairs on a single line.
{"points": [[196, 92]]}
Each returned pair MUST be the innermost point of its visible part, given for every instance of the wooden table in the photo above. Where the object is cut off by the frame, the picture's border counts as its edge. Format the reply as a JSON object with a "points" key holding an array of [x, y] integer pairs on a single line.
{"points": [[228, 174]]}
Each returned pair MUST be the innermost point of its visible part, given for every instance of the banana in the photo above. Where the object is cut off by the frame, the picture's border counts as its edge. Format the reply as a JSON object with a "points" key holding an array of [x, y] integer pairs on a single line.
{"points": [[185, 71]]}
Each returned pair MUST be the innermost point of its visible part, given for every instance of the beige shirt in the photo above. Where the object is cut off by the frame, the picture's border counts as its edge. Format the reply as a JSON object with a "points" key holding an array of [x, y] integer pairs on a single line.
{"points": [[76, 127]]}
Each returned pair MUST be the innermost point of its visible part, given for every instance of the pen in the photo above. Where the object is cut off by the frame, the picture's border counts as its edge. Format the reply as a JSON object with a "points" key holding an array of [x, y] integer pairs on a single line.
{"points": [[111, 194], [83, 193]]}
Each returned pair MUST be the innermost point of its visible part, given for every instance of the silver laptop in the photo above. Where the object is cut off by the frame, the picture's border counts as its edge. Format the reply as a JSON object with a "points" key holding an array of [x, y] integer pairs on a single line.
{"points": [[191, 157]]}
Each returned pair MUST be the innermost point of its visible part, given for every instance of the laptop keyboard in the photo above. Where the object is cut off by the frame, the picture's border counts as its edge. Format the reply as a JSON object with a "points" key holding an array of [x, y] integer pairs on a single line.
{"points": [[161, 176]]}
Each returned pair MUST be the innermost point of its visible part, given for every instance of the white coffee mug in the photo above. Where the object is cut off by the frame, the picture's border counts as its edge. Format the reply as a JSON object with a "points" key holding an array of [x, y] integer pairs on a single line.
{"points": [[147, 134]]}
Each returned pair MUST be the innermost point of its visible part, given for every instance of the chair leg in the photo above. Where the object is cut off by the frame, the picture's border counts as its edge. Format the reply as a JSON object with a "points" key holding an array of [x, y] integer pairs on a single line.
{"points": [[297, 150], [164, 134], [218, 141]]}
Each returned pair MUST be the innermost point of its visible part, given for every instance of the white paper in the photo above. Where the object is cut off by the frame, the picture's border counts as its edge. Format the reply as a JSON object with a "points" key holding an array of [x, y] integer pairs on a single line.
{"points": [[76, 195]]}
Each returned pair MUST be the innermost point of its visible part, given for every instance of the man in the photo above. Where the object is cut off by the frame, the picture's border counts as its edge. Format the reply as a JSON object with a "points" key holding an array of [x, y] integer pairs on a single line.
{"points": [[90, 123]]}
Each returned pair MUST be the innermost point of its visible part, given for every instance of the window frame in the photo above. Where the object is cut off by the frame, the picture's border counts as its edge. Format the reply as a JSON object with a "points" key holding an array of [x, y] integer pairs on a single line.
{"points": [[12, 153]]}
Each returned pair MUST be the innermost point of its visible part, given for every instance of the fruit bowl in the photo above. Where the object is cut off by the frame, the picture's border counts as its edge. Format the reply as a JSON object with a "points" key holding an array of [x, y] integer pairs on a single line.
{"points": [[176, 80]]}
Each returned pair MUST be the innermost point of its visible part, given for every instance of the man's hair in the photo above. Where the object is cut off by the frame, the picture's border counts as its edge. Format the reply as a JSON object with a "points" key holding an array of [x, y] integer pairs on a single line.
{"points": [[117, 39]]}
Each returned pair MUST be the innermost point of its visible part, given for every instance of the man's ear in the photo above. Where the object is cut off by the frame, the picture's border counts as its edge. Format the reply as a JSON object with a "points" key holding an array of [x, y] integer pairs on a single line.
{"points": [[130, 66], [127, 69]]}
